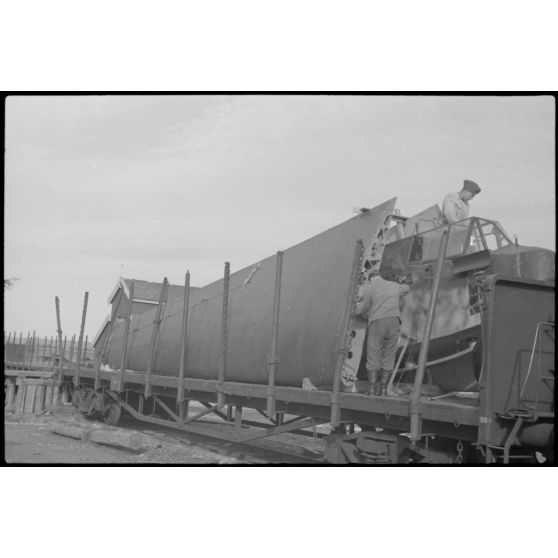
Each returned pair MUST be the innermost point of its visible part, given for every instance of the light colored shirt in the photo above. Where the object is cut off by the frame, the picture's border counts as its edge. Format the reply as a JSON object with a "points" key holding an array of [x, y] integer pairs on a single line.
{"points": [[379, 298], [454, 208]]}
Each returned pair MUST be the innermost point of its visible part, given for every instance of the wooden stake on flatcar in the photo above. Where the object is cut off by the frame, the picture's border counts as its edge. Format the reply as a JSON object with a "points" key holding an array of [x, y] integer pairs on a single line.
{"points": [[155, 335], [80, 340], [84, 358], [273, 359], [224, 335], [342, 348], [123, 358], [181, 372], [103, 353], [414, 407]]}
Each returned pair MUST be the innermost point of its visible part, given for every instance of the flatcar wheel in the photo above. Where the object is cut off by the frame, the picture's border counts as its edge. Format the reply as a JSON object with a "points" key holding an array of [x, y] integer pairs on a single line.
{"points": [[112, 415]]}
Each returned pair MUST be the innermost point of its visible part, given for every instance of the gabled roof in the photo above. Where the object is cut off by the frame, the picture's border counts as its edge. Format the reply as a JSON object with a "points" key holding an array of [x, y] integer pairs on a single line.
{"points": [[146, 291]]}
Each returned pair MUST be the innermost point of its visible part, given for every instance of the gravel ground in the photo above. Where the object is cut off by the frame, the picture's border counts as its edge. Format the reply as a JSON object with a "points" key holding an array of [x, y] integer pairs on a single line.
{"points": [[28, 439]]}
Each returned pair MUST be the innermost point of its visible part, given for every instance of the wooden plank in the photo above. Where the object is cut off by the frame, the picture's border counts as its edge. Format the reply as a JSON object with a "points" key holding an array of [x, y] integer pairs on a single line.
{"points": [[55, 395], [48, 396], [124, 439], [37, 381], [29, 373], [71, 431], [29, 399], [10, 393], [20, 398], [39, 404]]}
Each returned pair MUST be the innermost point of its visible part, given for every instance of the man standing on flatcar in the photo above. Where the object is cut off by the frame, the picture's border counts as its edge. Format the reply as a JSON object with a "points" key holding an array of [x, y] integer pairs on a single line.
{"points": [[456, 204], [380, 300]]}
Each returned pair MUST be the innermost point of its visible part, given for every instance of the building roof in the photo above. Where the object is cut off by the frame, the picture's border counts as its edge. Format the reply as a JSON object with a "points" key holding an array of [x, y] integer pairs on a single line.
{"points": [[146, 291], [104, 325]]}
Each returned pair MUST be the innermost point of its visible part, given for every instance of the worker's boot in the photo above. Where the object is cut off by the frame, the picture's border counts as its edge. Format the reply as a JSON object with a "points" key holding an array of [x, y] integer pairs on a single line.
{"points": [[372, 382], [384, 382]]}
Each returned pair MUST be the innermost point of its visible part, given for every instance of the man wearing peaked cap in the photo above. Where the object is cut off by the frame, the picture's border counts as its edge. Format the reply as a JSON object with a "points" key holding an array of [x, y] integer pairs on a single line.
{"points": [[456, 204]]}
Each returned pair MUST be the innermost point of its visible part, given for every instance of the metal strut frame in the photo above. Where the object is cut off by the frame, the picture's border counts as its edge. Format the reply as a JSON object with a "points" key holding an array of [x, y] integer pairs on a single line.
{"points": [[234, 434]]}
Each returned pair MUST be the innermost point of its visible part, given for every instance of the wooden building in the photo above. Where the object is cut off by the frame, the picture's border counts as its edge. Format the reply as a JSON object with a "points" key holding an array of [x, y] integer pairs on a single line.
{"points": [[146, 297]]}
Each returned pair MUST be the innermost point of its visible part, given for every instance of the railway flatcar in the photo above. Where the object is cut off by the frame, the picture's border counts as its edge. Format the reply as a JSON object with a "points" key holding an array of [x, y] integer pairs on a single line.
{"points": [[474, 380]]}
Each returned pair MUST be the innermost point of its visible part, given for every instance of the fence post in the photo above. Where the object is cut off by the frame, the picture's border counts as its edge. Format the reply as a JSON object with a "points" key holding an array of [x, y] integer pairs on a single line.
{"points": [[71, 354], [33, 349], [273, 359], [26, 350], [53, 352], [224, 334], [59, 331]]}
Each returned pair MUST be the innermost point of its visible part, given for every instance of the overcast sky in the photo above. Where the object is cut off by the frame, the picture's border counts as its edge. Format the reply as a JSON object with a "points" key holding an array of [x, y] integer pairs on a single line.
{"points": [[164, 184]]}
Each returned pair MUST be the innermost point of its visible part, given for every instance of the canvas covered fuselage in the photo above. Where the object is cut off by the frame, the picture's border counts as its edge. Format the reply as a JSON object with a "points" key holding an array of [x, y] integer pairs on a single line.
{"points": [[315, 281]]}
